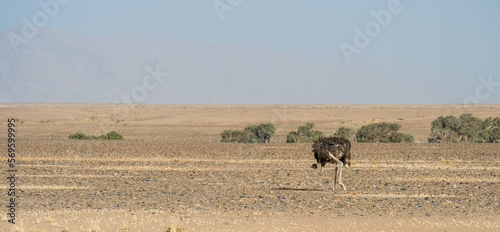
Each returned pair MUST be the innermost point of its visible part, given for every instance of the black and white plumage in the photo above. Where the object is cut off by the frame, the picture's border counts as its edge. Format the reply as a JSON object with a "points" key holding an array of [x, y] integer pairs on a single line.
{"points": [[333, 150]]}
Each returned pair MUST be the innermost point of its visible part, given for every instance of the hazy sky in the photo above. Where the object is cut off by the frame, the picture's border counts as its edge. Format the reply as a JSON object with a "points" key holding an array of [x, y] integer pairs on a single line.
{"points": [[444, 45]]}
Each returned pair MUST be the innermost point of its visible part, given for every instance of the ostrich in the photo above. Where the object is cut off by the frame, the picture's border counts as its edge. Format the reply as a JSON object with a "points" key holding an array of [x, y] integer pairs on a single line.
{"points": [[332, 150]]}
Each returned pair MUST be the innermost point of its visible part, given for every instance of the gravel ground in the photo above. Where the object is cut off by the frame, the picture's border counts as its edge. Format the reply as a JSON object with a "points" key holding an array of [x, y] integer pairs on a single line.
{"points": [[172, 173], [219, 181]]}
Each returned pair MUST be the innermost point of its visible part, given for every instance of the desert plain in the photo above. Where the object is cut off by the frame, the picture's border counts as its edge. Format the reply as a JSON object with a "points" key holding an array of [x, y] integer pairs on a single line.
{"points": [[172, 173]]}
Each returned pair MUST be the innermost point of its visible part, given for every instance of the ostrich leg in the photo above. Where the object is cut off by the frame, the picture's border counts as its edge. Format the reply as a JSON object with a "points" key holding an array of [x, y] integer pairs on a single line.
{"points": [[340, 175], [335, 177], [338, 172]]}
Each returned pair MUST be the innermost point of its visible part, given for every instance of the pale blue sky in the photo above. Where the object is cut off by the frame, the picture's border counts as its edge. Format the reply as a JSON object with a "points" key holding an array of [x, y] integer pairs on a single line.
{"points": [[437, 45]]}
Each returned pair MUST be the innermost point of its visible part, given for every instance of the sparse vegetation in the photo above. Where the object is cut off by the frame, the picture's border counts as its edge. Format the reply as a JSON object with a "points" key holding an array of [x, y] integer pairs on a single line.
{"points": [[397, 137], [172, 176], [344, 132], [465, 128], [261, 133], [382, 132], [81, 136], [304, 134], [112, 135], [238, 136]]}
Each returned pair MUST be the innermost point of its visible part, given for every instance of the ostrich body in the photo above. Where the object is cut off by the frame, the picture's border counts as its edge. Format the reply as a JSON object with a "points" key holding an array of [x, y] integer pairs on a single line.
{"points": [[333, 150]]}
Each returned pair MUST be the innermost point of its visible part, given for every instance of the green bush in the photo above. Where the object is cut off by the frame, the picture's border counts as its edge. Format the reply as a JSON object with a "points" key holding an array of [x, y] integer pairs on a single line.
{"points": [[251, 134], [264, 131], [238, 136], [113, 135], [304, 134], [101, 137], [80, 136], [344, 132], [397, 137], [495, 135], [464, 128], [382, 132]]}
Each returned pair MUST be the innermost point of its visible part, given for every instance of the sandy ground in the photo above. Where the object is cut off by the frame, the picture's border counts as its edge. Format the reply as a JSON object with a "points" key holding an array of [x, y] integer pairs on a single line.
{"points": [[172, 173]]}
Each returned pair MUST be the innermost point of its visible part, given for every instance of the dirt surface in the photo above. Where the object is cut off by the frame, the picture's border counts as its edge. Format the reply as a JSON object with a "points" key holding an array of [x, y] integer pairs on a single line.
{"points": [[172, 173]]}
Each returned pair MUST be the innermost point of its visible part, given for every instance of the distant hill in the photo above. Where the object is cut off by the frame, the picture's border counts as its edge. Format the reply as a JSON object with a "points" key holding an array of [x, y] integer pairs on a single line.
{"points": [[61, 66]]}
